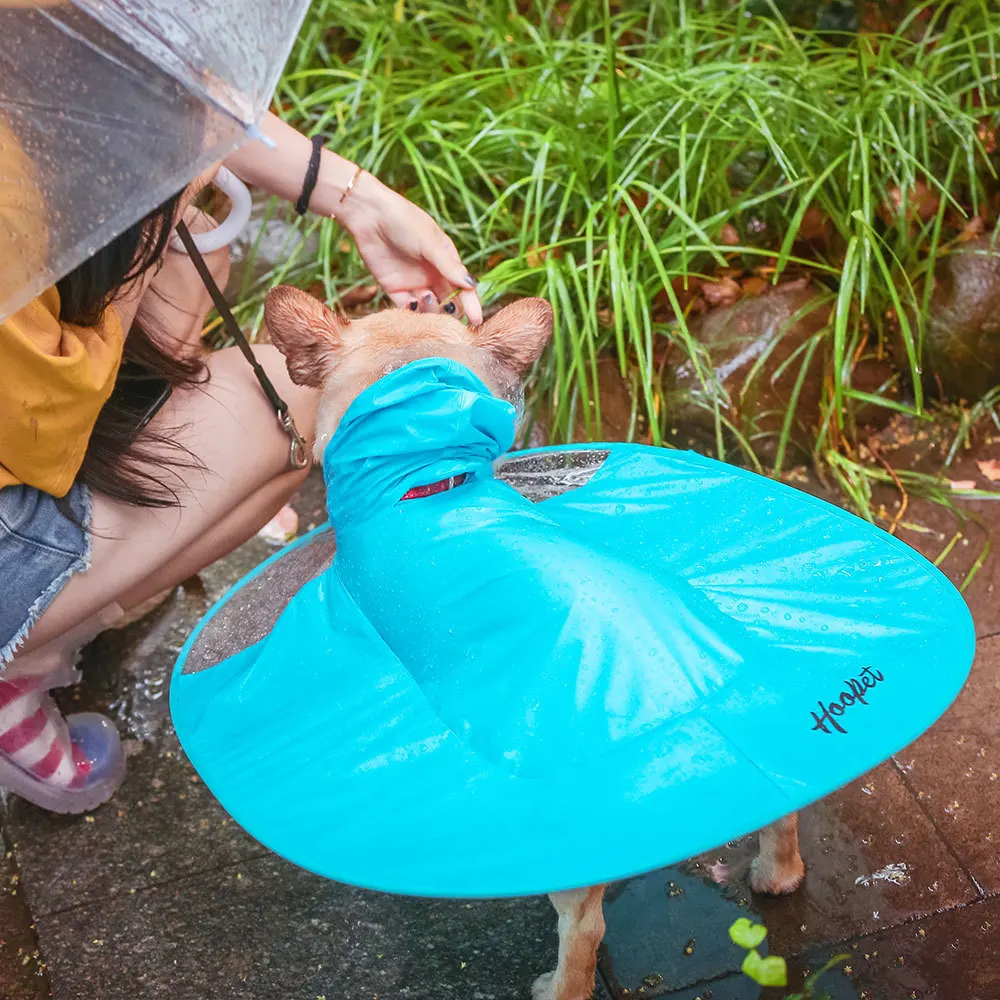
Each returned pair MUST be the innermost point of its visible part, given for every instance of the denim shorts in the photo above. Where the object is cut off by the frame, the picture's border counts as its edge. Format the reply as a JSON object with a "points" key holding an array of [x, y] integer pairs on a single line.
{"points": [[43, 542]]}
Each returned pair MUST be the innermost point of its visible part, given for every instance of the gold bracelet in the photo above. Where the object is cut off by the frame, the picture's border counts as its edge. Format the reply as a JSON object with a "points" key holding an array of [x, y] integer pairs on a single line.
{"points": [[350, 184]]}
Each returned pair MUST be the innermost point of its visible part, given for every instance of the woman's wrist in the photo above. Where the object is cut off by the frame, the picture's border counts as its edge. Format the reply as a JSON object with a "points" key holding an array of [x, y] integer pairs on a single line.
{"points": [[343, 191]]}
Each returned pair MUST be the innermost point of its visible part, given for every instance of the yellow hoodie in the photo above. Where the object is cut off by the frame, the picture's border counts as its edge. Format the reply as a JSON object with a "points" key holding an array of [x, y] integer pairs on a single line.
{"points": [[54, 379]]}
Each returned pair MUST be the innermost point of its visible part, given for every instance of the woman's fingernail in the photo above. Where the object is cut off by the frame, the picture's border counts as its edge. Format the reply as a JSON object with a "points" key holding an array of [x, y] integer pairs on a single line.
{"points": [[449, 307], [470, 281], [413, 306], [428, 298]]}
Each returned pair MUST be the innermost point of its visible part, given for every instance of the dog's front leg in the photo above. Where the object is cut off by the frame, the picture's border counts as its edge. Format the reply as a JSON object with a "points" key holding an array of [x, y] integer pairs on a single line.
{"points": [[778, 869], [581, 928]]}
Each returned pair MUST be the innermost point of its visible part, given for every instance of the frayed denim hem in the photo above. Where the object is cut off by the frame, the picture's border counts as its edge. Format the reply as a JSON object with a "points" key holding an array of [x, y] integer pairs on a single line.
{"points": [[49, 594]]}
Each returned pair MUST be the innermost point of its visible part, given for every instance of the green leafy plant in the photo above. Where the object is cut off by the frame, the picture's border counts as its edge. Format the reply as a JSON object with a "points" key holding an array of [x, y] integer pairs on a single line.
{"points": [[772, 970], [595, 154]]}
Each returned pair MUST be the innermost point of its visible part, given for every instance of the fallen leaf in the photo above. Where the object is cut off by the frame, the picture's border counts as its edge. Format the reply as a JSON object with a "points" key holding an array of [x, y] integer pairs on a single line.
{"points": [[721, 293], [973, 229], [535, 256], [988, 137], [990, 468], [962, 484], [815, 225], [729, 235], [922, 202], [754, 285], [281, 528]]}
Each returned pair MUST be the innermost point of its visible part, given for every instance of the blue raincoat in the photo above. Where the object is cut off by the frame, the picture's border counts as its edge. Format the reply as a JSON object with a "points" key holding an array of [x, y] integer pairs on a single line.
{"points": [[437, 708]]}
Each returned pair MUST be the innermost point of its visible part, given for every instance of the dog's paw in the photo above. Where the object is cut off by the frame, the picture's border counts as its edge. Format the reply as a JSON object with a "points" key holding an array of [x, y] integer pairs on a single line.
{"points": [[778, 881], [544, 987]]}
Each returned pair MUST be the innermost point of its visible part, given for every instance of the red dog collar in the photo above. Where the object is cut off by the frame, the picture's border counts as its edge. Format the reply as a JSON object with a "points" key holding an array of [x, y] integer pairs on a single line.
{"points": [[439, 487]]}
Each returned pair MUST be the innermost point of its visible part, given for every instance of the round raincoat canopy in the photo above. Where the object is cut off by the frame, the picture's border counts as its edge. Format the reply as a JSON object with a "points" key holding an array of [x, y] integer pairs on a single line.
{"points": [[111, 107], [426, 696]]}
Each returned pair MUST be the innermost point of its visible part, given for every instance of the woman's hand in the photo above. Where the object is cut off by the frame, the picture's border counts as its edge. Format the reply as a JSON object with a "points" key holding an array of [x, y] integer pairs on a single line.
{"points": [[406, 251], [404, 248]]}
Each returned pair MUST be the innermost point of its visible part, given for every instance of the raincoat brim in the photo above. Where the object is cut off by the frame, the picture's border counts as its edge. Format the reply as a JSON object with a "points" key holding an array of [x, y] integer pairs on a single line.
{"points": [[319, 742]]}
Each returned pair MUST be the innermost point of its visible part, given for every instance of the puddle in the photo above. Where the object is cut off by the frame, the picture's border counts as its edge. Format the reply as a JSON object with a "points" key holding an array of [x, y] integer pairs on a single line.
{"points": [[668, 930]]}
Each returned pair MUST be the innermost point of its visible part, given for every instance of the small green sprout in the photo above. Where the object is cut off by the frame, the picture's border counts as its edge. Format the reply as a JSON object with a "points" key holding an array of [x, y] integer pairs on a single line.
{"points": [[772, 970]]}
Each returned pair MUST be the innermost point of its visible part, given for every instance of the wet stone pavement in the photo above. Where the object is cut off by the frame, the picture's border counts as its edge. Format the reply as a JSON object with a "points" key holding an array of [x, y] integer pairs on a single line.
{"points": [[159, 895]]}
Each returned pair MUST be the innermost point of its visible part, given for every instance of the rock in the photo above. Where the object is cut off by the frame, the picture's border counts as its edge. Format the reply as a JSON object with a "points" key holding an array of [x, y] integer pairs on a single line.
{"points": [[962, 333], [813, 15], [774, 324]]}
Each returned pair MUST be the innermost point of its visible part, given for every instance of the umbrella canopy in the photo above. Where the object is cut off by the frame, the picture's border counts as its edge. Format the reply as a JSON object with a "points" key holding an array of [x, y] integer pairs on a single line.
{"points": [[108, 108]]}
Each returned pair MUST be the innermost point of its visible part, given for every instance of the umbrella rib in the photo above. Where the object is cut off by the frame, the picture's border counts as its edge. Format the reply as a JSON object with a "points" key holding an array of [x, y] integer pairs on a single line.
{"points": [[84, 118], [78, 37]]}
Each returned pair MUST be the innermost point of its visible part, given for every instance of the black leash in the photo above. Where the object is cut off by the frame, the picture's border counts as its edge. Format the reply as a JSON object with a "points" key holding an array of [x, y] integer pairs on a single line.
{"points": [[298, 456]]}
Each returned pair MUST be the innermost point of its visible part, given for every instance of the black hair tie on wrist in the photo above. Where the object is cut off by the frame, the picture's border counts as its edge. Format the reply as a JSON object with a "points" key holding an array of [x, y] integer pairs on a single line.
{"points": [[312, 173]]}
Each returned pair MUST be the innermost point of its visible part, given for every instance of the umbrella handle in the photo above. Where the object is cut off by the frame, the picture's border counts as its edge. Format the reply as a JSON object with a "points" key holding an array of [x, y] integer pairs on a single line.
{"points": [[239, 214]]}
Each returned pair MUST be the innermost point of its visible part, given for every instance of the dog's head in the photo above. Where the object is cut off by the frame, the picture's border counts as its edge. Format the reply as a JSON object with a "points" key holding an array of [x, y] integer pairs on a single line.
{"points": [[342, 358]]}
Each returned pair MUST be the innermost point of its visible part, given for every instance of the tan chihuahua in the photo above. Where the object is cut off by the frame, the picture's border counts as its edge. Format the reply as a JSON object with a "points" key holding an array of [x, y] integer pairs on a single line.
{"points": [[342, 359]]}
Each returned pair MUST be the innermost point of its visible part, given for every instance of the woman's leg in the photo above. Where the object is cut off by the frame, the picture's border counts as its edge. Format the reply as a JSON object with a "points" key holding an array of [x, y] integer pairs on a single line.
{"points": [[74, 764], [243, 479], [237, 527]]}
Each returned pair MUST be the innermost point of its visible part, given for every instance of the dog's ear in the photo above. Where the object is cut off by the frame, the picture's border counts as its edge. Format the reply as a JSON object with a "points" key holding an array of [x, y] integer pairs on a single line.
{"points": [[518, 333], [308, 333]]}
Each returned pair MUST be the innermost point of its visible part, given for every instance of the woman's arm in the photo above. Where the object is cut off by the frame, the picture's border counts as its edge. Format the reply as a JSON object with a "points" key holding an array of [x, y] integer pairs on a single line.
{"points": [[406, 251], [282, 170]]}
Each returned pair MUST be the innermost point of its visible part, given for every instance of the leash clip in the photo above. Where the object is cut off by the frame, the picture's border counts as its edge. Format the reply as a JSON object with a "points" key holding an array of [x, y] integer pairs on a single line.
{"points": [[298, 455]]}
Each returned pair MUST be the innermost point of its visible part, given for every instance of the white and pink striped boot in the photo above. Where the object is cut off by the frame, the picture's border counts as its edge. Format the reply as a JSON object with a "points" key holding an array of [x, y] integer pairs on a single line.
{"points": [[65, 765]]}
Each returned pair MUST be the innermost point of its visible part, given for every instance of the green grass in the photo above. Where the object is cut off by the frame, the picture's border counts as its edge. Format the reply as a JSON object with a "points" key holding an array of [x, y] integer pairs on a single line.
{"points": [[592, 152]]}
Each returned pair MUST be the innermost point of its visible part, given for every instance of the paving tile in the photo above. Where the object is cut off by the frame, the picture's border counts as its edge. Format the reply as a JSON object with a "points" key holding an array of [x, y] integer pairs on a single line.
{"points": [[162, 825], [268, 931], [735, 987], [873, 859], [22, 967], [954, 770], [953, 955], [939, 526], [162, 820], [668, 930], [738, 987]]}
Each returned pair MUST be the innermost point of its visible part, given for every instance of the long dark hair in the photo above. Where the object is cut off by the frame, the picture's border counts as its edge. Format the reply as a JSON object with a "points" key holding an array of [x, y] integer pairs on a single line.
{"points": [[141, 469]]}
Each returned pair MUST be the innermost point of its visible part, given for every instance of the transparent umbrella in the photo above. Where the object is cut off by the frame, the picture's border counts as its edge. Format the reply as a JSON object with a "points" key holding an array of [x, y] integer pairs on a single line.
{"points": [[108, 108]]}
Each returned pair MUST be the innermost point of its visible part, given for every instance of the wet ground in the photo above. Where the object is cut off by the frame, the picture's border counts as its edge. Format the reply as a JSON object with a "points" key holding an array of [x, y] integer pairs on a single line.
{"points": [[159, 895]]}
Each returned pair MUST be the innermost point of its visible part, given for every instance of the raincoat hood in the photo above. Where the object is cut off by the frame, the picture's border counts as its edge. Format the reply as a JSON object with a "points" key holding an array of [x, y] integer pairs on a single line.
{"points": [[419, 424]]}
